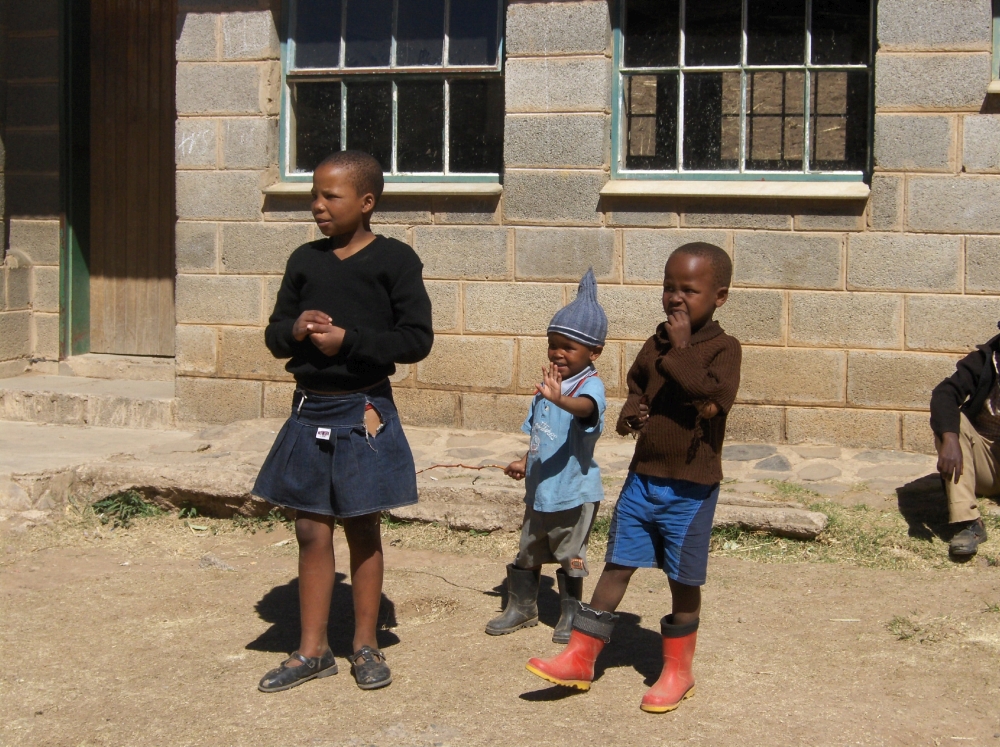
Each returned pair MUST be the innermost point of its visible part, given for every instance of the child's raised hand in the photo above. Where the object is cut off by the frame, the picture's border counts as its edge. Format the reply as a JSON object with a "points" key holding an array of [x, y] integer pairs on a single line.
{"points": [[551, 386], [328, 339], [679, 328], [517, 469], [309, 322]]}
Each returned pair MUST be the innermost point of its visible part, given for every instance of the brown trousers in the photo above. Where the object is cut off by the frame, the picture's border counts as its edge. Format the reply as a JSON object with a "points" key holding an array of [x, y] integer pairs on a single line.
{"points": [[980, 474]]}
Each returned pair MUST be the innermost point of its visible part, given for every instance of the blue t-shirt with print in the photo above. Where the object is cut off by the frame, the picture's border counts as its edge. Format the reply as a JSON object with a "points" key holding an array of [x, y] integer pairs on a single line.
{"points": [[561, 471]]}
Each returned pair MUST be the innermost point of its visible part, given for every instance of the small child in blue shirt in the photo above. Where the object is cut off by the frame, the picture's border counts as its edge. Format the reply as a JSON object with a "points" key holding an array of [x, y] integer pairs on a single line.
{"points": [[562, 481]]}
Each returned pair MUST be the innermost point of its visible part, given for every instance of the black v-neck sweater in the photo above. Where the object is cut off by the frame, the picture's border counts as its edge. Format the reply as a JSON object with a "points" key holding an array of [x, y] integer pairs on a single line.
{"points": [[377, 295]]}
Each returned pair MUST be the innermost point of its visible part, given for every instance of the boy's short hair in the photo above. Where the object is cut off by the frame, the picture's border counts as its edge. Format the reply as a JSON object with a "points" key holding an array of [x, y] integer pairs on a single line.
{"points": [[364, 168], [721, 264]]}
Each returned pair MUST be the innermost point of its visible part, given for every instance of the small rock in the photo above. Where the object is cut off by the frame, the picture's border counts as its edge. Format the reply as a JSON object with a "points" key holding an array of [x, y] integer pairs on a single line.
{"points": [[776, 463], [747, 452], [818, 452], [12, 495], [212, 561], [830, 489], [880, 457], [36, 516], [818, 471]]}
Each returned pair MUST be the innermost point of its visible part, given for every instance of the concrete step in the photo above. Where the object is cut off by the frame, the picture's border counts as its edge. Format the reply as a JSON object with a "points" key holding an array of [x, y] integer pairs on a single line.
{"points": [[80, 400], [118, 367]]}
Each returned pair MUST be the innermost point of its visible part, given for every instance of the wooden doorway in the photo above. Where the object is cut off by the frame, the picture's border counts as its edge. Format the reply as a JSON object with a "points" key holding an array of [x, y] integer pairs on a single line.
{"points": [[132, 211]]}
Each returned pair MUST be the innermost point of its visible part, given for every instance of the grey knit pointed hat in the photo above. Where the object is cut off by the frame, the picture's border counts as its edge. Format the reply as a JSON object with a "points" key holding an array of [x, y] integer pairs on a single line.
{"points": [[582, 320]]}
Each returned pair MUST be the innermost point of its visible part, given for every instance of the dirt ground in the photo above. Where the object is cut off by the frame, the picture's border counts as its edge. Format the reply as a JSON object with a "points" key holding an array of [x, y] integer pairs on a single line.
{"points": [[121, 637]]}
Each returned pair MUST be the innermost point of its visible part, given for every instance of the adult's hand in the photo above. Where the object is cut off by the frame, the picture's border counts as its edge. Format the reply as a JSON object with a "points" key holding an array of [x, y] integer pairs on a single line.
{"points": [[950, 463]]}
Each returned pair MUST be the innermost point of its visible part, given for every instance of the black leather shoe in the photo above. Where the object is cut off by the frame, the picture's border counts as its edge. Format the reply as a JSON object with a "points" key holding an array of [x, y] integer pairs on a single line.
{"points": [[369, 668], [968, 539], [286, 677]]}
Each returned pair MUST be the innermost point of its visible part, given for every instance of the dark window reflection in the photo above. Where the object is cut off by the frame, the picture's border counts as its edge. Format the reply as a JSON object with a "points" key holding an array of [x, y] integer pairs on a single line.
{"points": [[711, 121], [776, 32], [839, 121], [651, 121], [475, 139], [420, 32], [712, 32], [472, 32], [317, 123], [840, 32], [420, 129], [775, 120], [652, 35], [368, 35], [369, 120], [317, 33]]}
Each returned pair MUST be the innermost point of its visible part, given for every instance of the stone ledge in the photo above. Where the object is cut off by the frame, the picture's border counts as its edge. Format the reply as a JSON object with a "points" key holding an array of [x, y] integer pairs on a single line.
{"points": [[732, 188], [993, 87]]}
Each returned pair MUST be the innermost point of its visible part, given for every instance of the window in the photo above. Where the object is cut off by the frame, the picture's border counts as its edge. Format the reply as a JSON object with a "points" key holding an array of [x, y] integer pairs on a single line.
{"points": [[751, 89], [416, 83], [995, 80]]}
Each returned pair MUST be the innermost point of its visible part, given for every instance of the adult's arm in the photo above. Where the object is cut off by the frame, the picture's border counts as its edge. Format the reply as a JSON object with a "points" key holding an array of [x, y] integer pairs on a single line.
{"points": [[949, 396]]}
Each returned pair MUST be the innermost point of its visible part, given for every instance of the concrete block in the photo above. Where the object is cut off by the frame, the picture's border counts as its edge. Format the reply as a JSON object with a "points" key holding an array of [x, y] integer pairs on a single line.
{"points": [[953, 204], [45, 337], [427, 407], [646, 250], [458, 362], [556, 140], [917, 433], [196, 349], [792, 376], [260, 248], [950, 323], [785, 260], [494, 412], [249, 36], [407, 211], [947, 82], [195, 143], [466, 210], [851, 320], [288, 208], [278, 399], [19, 287], [195, 244], [981, 143], [217, 400], [445, 305], [633, 312], [640, 212], [846, 216], [34, 104], [197, 38], [758, 215], [933, 25], [564, 253], [755, 424], [32, 151], [511, 308], [982, 264], [893, 261], [211, 299], [243, 355], [218, 195], [461, 252], [36, 239], [576, 84], [400, 233], [45, 289], [532, 356], [554, 28], [914, 142], [272, 284], [885, 203], [229, 88], [571, 197], [249, 143], [860, 429], [902, 380], [754, 316], [15, 342]]}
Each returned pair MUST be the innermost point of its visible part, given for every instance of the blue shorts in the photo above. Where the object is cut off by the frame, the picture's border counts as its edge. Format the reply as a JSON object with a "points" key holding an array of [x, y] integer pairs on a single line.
{"points": [[323, 460], [663, 523]]}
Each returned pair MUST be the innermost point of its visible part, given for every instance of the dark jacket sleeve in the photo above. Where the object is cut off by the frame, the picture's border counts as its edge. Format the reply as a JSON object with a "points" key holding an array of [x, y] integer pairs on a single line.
{"points": [[278, 333], [949, 396], [412, 335], [636, 380], [716, 380]]}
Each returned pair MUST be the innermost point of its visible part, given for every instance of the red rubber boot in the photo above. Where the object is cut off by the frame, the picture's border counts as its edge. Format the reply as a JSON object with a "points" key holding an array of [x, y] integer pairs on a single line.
{"points": [[574, 667], [676, 682]]}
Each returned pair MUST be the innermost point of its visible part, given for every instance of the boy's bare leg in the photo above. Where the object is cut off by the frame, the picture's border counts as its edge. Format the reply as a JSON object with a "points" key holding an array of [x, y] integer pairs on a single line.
{"points": [[364, 538], [686, 605], [611, 587], [314, 533]]}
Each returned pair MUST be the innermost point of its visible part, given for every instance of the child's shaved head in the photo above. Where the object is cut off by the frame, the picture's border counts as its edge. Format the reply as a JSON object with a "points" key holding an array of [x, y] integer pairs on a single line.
{"points": [[365, 170], [718, 260]]}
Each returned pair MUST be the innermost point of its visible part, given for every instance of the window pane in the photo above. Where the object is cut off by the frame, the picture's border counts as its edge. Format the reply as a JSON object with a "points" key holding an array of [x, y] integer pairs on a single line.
{"points": [[711, 121], [475, 140], [369, 120], [712, 32], [651, 121], [776, 32], [472, 32], [420, 131], [775, 120], [652, 38], [368, 35], [840, 32], [420, 32], [839, 121], [317, 33], [317, 123]]}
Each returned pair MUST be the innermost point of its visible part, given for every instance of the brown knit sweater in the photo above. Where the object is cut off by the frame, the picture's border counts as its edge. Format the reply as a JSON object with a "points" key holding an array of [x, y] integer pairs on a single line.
{"points": [[675, 441]]}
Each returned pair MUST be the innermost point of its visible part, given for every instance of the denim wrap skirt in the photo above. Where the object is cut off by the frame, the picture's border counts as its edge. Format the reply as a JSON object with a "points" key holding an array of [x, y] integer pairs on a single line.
{"points": [[324, 461]]}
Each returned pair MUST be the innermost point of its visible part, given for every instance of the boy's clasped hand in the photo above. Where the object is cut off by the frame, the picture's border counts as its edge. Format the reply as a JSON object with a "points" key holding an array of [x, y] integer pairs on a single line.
{"points": [[320, 330]]}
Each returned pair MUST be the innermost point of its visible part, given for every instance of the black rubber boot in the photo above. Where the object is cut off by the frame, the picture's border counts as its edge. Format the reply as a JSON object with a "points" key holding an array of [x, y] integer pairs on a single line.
{"points": [[570, 595], [522, 603]]}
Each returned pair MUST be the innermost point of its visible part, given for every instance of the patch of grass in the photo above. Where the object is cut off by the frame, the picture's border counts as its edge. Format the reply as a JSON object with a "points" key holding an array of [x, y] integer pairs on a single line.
{"points": [[391, 522], [933, 630], [792, 490], [601, 529], [122, 507], [479, 533], [902, 627], [991, 607], [254, 524], [187, 512]]}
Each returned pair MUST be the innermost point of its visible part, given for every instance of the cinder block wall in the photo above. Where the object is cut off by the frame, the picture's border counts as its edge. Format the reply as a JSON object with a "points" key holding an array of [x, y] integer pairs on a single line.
{"points": [[849, 312]]}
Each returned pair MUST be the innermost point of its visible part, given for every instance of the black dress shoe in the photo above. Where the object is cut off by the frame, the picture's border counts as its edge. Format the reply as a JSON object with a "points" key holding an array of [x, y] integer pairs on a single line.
{"points": [[968, 539]]}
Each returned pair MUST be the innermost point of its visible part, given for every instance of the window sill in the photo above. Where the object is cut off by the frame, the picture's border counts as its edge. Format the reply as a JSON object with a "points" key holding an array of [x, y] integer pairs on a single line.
{"points": [[420, 189], [731, 188], [994, 87]]}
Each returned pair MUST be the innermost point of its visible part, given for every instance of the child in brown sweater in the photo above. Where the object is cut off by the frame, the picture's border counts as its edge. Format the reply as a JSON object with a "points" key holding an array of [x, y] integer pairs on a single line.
{"points": [[681, 387]]}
